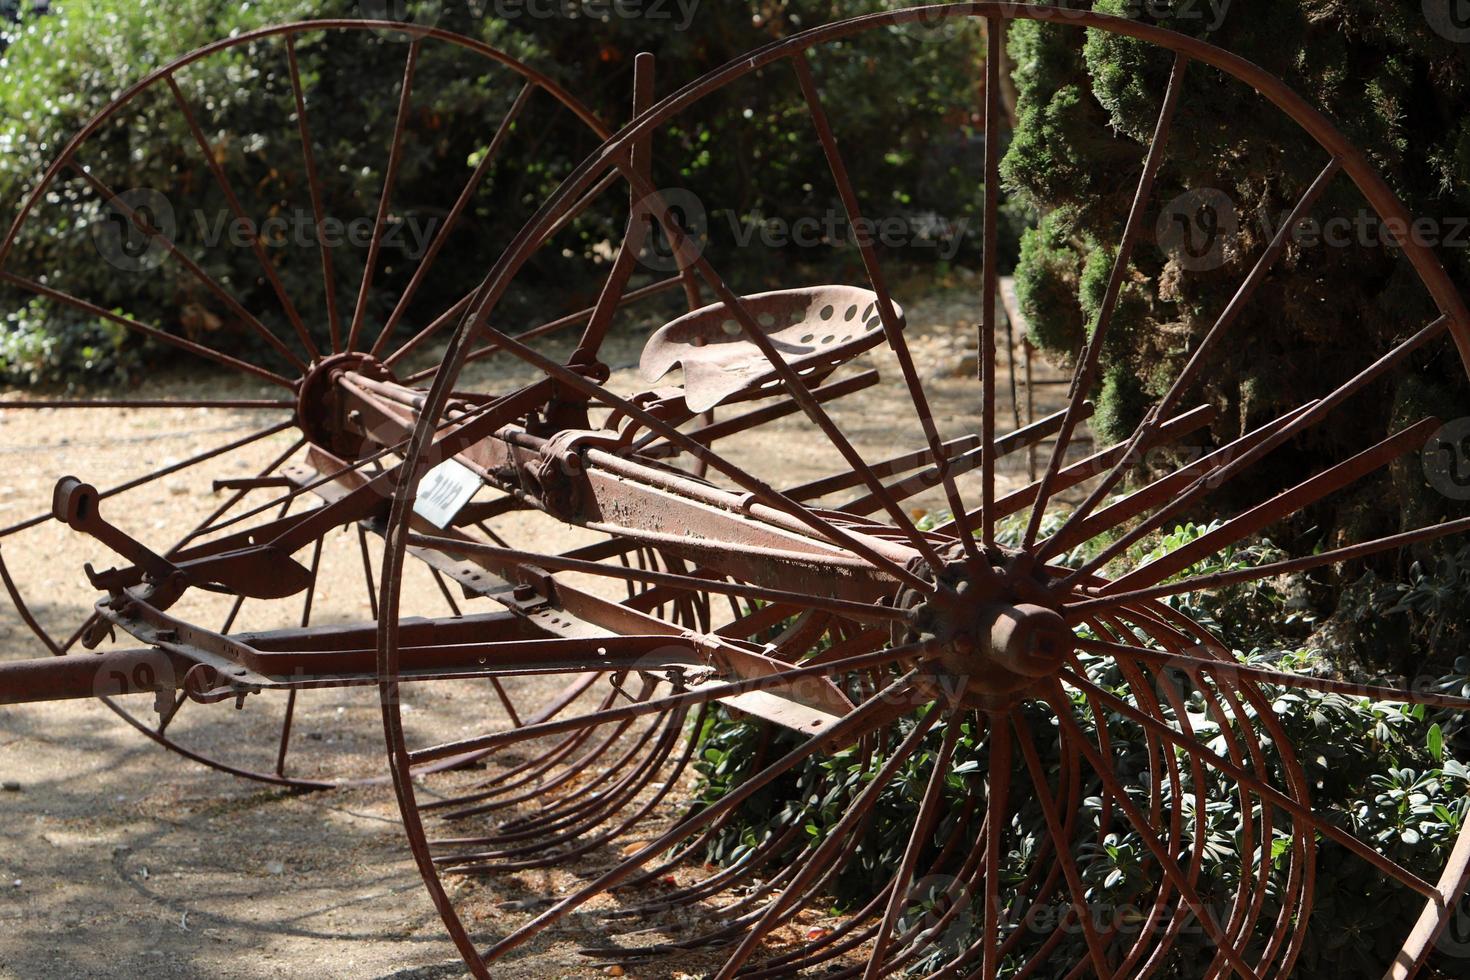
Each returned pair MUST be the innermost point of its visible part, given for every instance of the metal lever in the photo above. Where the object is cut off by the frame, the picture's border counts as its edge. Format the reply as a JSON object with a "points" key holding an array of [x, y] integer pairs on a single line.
{"points": [[75, 504], [256, 571]]}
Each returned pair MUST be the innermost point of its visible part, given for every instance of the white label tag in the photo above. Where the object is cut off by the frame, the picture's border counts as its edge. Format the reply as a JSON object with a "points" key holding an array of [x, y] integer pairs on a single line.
{"points": [[444, 490]]}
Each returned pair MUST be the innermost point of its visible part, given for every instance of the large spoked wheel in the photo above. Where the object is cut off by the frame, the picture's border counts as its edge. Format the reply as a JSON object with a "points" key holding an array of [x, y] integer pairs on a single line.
{"points": [[1020, 689], [235, 431]]}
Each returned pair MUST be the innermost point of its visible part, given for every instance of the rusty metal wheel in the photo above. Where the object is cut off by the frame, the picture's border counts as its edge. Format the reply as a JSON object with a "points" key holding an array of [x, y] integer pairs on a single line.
{"points": [[251, 396], [1013, 680]]}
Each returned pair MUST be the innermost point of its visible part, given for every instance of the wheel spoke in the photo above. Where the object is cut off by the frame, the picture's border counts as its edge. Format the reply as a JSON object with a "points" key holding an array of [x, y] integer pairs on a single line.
{"points": [[710, 692], [822, 858], [492, 153], [159, 474], [1259, 573], [204, 526], [1301, 420], [961, 463], [1186, 378], [990, 275], [512, 558], [385, 198], [313, 182], [887, 316], [154, 333], [1287, 502], [223, 181], [1063, 845], [1165, 489], [1083, 380], [1263, 675], [209, 282], [765, 493], [1086, 469], [551, 326], [245, 404], [997, 818], [918, 839]]}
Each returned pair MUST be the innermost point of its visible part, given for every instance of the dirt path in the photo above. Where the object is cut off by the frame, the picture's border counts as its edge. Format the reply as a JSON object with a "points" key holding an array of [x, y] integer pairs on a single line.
{"points": [[119, 860]]}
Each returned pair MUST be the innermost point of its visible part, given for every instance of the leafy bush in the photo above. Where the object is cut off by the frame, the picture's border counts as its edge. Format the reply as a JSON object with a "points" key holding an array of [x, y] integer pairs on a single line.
{"points": [[1392, 775], [1088, 102], [748, 152]]}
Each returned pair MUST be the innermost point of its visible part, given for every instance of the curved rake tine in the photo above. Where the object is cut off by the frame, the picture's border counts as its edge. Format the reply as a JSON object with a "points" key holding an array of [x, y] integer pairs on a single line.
{"points": [[559, 812], [530, 771], [861, 719], [1138, 680], [624, 825], [1062, 707], [1275, 796], [569, 772], [727, 878]]}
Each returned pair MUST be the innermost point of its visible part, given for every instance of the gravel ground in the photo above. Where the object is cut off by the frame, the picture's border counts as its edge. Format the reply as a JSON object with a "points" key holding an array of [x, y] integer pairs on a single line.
{"points": [[119, 860]]}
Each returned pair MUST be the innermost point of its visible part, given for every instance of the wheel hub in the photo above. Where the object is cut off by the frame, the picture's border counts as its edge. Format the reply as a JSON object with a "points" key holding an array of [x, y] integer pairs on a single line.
{"points": [[998, 638], [322, 411]]}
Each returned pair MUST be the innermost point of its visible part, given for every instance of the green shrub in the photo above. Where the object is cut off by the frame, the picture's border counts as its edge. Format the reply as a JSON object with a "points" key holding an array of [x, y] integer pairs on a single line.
{"points": [[749, 152], [1392, 775]]}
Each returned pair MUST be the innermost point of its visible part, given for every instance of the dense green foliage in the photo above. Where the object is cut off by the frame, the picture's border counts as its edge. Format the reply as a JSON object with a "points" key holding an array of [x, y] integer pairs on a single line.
{"points": [[748, 153], [1393, 776], [1395, 81]]}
